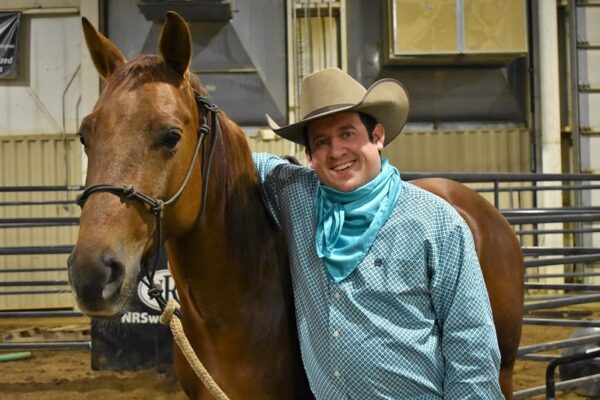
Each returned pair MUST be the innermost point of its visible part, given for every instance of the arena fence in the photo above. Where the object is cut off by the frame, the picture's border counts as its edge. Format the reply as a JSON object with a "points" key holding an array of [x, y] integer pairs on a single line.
{"points": [[560, 245], [561, 250], [36, 235]]}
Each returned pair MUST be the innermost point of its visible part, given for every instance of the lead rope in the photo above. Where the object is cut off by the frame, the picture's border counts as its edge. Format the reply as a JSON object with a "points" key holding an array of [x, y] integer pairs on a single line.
{"points": [[166, 318], [172, 307]]}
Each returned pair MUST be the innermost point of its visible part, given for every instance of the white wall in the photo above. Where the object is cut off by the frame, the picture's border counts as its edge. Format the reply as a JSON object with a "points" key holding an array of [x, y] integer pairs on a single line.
{"points": [[45, 98], [37, 104]]}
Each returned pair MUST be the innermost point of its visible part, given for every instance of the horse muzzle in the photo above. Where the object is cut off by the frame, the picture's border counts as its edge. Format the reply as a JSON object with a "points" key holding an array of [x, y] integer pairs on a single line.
{"points": [[98, 281]]}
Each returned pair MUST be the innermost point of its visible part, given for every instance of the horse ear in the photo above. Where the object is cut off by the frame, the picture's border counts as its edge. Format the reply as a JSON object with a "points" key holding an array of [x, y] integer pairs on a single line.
{"points": [[106, 56], [175, 43]]}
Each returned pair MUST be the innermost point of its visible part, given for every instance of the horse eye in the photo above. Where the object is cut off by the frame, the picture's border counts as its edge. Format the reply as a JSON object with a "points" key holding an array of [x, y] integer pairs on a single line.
{"points": [[171, 138], [82, 140]]}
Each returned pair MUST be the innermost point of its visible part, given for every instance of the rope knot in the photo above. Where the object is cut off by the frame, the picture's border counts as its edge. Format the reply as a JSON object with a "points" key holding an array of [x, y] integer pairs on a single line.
{"points": [[158, 206], [204, 101], [204, 129], [155, 291], [129, 191]]}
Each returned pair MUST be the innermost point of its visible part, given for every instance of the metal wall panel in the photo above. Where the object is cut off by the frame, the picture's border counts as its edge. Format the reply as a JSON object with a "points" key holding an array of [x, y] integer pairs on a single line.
{"points": [[35, 161], [242, 63], [497, 150], [265, 140]]}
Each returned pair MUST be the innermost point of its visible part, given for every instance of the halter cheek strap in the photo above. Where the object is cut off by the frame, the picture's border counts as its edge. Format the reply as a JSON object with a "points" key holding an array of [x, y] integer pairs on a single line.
{"points": [[156, 206]]}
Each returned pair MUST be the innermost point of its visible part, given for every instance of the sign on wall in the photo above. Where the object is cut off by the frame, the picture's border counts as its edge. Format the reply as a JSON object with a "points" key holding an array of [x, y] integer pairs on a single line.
{"points": [[9, 42]]}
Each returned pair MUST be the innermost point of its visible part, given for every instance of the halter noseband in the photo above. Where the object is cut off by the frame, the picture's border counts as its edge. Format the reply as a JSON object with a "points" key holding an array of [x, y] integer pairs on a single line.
{"points": [[156, 206]]}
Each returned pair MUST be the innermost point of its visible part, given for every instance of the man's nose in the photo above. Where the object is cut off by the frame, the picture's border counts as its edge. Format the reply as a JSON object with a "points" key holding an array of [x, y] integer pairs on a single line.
{"points": [[337, 148]]}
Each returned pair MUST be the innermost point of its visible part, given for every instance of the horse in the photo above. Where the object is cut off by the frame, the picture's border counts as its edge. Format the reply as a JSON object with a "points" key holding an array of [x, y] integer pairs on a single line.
{"points": [[227, 258], [229, 262]]}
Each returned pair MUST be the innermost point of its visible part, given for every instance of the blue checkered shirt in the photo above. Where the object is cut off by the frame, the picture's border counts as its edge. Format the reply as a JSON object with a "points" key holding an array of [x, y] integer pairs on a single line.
{"points": [[413, 321]]}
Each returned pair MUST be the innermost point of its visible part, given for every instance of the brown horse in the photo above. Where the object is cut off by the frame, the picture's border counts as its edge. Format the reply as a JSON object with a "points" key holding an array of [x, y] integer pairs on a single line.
{"points": [[229, 263]]}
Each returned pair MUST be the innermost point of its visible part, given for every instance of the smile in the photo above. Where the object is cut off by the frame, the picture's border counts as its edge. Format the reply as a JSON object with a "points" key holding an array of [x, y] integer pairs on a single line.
{"points": [[342, 167]]}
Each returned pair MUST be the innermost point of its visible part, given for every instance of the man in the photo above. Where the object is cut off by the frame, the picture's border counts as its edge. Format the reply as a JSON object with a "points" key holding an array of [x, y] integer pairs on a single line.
{"points": [[389, 295]]}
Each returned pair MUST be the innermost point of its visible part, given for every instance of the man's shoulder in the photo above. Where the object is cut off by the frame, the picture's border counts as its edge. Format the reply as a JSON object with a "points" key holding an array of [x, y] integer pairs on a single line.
{"points": [[279, 175]]}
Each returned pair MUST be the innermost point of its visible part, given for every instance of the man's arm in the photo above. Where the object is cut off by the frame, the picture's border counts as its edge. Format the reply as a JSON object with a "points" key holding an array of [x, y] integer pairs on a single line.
{"points": [[264, 164], [469, 343]]}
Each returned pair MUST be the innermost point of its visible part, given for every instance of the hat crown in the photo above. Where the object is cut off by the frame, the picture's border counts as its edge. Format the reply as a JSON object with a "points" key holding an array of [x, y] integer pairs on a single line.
{"points": [[328, 89]]}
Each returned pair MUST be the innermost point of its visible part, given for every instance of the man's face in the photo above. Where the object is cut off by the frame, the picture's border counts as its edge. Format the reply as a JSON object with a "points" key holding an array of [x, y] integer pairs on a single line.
{"points": [[342, 155]]}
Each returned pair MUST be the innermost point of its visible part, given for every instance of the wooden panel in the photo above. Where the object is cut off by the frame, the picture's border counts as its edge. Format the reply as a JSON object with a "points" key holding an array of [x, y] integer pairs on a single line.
{"points": [[44, 160]]}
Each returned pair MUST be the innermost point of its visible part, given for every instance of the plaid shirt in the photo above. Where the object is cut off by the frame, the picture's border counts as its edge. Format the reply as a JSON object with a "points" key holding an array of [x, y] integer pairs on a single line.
{"points": [[412, 321]]}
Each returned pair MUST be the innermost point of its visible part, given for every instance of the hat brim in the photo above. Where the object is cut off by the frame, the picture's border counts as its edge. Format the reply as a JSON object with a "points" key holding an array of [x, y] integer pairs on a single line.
{"points": [[386, 101]]}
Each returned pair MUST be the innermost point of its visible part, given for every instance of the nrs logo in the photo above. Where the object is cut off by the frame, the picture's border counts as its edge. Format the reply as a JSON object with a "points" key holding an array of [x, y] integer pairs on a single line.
{"points": [[165, 281]]}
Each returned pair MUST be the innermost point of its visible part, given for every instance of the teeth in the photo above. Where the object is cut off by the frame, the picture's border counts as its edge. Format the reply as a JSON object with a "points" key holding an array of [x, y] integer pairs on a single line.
{"points": [[342, 167]]}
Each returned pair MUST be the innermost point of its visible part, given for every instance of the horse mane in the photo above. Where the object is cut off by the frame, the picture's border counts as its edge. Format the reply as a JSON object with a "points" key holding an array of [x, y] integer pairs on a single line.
{"points": [[236, 181], [249, 227]]}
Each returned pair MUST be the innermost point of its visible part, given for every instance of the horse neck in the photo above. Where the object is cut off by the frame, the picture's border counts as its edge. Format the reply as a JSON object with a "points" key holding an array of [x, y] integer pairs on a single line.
{"points": [[231, 258]]}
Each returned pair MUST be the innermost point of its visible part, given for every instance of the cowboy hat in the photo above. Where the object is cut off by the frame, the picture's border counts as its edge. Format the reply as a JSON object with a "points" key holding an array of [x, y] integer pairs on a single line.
{"points": [[332, 90]]}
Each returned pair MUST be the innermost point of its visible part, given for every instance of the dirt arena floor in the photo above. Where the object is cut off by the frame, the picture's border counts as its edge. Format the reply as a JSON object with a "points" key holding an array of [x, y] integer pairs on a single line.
{"points": [[67, 375]]}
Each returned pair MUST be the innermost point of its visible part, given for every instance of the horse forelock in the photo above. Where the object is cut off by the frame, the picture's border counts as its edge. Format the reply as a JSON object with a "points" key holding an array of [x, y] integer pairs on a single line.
{"points": [[151, 68]]}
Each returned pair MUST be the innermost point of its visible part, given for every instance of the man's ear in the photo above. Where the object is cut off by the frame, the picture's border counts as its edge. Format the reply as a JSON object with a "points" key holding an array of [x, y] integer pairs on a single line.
{"points": [[379, 136], [308, 155]]}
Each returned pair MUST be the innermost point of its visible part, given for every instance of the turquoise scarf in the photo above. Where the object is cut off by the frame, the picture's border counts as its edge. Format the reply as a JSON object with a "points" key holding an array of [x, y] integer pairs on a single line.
{"points": [[348, 222]]}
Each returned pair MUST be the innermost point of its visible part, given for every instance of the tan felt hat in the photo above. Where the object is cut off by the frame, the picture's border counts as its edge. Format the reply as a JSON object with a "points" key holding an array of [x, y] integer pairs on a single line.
{"points": [[332, 90]]}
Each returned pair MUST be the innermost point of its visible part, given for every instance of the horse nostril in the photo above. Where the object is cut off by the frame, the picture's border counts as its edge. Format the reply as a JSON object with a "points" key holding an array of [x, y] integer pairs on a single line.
{"points": [[115, 279]]}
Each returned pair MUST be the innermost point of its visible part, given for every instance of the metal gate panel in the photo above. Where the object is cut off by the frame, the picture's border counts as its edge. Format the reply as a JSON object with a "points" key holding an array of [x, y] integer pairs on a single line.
{"points": [[43, 160]]}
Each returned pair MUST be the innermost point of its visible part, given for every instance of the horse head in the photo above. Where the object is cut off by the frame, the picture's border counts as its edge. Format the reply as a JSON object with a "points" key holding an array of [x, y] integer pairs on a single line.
{"points": [[141, 136]]}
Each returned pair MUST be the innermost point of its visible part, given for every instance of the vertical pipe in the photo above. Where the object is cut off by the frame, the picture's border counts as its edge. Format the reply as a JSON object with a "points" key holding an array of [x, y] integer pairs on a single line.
{"points": [[550, 121], [573, 54], [574, 67], [549, 87]]}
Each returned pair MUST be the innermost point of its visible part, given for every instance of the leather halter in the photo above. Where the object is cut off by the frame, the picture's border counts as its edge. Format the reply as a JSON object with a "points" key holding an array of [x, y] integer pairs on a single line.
{"points": [[155, 205]]}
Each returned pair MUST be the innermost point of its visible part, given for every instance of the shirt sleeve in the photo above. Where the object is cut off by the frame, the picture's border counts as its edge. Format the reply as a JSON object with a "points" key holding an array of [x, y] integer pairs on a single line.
{"points": [[460, 299], [264, 164]]}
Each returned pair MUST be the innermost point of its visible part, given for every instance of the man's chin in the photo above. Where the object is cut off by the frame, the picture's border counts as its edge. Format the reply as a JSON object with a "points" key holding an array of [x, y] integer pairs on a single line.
{"points": [[343, 186]]}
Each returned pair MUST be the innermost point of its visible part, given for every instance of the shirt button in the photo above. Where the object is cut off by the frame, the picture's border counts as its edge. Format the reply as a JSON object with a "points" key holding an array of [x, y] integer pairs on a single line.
{"points": [[336, 373], [336, 333], [337, 295]]}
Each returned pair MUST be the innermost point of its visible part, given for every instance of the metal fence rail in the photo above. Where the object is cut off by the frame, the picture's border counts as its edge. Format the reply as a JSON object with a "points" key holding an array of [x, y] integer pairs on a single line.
{"points": [[514, 194], [17, 281]]}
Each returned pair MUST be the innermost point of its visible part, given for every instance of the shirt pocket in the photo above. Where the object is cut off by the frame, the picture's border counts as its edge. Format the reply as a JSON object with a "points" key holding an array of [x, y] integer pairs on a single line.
{"points": [[396, 288]]}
